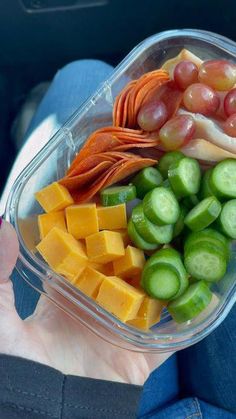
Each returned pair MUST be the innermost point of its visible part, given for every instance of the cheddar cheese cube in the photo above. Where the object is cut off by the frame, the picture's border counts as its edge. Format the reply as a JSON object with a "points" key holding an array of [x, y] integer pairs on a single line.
{"points": [[53, 219], [89, 282], [54, 197], [131, 264], [119, 298], [82, 220], [105, 246], [124, 235], [149, 314], [63, 253], [112, 218]]}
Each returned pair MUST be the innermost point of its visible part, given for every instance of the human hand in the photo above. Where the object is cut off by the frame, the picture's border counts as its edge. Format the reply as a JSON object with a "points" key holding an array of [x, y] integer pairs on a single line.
{"points": [[51, 337]]}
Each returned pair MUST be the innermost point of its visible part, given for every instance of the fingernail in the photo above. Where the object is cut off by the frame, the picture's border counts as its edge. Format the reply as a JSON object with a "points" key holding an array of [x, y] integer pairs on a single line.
{"points": [[1, 221]]}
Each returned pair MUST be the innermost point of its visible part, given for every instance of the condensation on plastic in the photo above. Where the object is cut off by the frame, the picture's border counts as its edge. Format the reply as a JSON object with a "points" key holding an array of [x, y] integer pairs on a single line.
{"points": [[51, 163]]}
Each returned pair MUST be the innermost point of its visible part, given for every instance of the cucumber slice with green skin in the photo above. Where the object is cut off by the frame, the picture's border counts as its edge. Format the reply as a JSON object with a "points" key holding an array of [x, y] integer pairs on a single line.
{"points": [[190, 201], [184, 177], [179, 225], [203, 214], [161, 207], [116, 195], [149, 231], [206, 189], [227, 218], [205, 261], [161, 281], [210, 236], [166, 184], [191, 303], [138, 240], [146, 180], [167, 160], [223, 179], [173, 258]]}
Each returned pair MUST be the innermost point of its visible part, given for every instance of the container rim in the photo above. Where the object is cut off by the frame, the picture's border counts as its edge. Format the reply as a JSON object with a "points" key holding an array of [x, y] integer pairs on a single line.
{"points": [[36, 266]]}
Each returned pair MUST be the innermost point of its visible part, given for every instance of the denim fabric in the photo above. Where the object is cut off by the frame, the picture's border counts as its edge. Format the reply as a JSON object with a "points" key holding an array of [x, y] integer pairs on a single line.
{"points": [[200, 381]]}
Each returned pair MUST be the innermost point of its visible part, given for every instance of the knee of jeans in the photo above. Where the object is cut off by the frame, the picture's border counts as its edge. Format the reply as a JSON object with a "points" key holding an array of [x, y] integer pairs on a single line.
{"points": [[86, 65]]}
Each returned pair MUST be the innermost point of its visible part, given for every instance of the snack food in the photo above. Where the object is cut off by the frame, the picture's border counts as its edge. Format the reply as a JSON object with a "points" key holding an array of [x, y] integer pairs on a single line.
{"points": [[177, 112]]}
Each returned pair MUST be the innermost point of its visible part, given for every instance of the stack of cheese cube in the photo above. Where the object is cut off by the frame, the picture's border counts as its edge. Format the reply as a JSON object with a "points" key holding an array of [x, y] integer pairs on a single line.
{"points": [[89, 246]]}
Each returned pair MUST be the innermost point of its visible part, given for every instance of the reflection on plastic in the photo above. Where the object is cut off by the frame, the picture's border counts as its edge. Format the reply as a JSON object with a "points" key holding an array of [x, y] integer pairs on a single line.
{"points": [[37, 6]]}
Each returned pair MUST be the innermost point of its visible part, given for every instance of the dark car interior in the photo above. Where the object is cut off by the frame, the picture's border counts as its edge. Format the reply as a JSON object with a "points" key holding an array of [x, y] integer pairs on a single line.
{"points": [[37, 37]]}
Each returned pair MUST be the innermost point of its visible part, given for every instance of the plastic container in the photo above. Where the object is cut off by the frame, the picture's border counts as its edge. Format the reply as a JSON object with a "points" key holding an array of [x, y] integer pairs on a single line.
{"points": [[51, 163]]}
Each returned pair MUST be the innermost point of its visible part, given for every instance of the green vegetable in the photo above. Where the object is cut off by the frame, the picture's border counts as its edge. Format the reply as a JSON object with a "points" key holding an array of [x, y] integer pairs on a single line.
{"points": [[184, 177], [161, 207], [161, 281], [205, 261], [227, 218], [167, 160], [116, 195], [179, 225], [173, 258], [191, 303], [146, 180], [208, 235], [223, 179], [138, 240], [206, 189], [190, 201], [203, 214], [149, 231]]}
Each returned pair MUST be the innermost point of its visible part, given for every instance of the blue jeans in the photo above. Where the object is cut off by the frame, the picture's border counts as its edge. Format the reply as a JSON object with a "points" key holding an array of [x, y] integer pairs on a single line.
{"points": [[197, 382]]}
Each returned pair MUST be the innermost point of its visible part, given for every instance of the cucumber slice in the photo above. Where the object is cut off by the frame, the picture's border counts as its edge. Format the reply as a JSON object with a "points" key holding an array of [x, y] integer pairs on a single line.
{"points": [[210, 236], [173, 258], [205, 261], [184, 177], [191, 303], [166, 184], [149, 231], [116, 195], [179, 225], [206, 189], [223, 179], [161, 207], [138, 240], [227, 218], [146, 180], [203, 214], [190, 201], [161, 281], [167, 160]]}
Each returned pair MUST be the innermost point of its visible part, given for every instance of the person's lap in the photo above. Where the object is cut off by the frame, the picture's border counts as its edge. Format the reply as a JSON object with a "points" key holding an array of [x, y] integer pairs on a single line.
{"points": [[199, 367]]}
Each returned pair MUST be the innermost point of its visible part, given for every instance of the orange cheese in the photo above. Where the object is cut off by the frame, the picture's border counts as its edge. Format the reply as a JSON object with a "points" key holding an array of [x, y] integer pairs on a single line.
{"points": [[63, 253], [119, 298], [124, 235], [53, 219], [89, 282], [54, 197], [105, 246], [148, 314], [112, 218], [82, 220], [131, 264]]}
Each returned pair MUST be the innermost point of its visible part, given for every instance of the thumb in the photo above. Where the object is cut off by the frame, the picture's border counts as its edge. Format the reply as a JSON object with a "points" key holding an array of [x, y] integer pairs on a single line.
{"points": [[9, 249]]}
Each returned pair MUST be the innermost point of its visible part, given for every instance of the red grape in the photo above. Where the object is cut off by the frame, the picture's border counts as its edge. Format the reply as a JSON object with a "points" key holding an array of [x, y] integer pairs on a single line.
{"points": [[152, 115], [218, 74], [201, 99], [177, 132], [230, 125], [185, 73], [230, 102]]}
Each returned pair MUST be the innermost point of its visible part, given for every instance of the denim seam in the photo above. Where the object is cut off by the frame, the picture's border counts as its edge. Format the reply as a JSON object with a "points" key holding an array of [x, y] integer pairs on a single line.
{"points": [[29, 409], [116, 412], [198, 409], [27, 393], [62, 395]]}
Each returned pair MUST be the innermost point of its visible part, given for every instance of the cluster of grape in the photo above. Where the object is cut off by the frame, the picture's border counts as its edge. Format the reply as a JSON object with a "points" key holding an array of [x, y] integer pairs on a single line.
{"points": [[205, 91]]}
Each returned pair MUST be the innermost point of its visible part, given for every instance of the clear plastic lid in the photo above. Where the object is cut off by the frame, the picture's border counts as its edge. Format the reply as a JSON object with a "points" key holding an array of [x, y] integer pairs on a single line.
{"points": [[51, 163]]}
